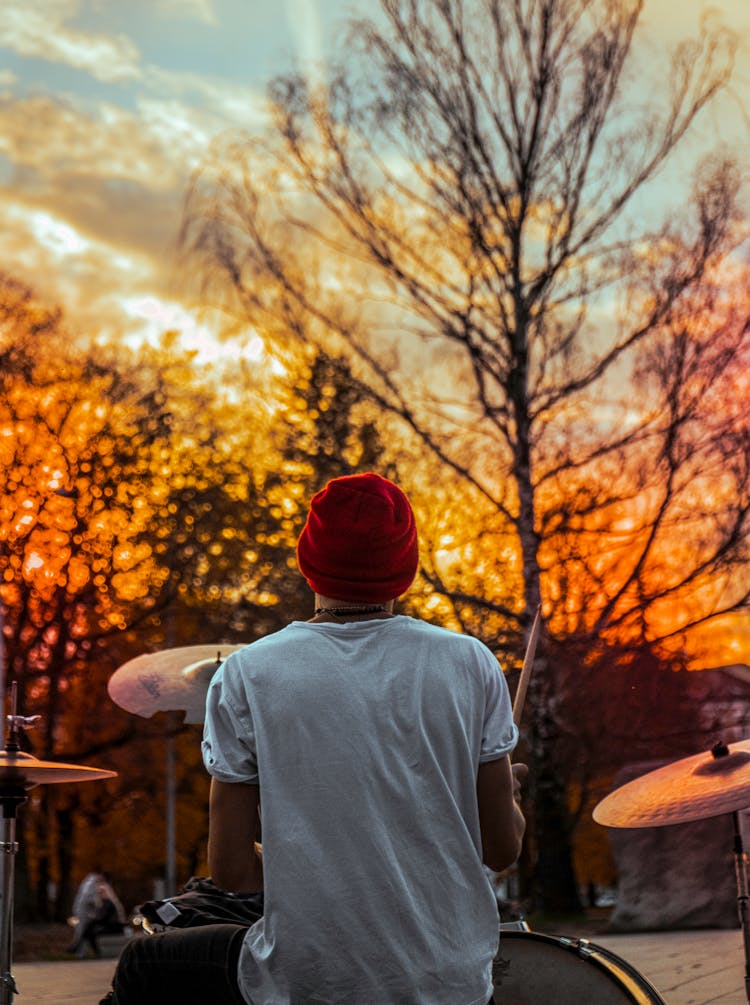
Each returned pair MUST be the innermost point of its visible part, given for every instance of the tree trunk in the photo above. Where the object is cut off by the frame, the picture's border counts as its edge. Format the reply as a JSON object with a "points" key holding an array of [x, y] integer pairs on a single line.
{"points": [[65, 843], [554, 889], [552, 878]]}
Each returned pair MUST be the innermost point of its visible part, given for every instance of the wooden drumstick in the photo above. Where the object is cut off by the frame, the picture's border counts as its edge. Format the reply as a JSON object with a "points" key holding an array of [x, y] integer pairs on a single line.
{"points": [[528, 663]]}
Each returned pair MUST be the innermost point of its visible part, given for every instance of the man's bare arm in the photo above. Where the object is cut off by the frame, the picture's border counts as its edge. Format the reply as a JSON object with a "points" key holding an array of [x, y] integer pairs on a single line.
{"points": [[501, 821], [233, 824]]}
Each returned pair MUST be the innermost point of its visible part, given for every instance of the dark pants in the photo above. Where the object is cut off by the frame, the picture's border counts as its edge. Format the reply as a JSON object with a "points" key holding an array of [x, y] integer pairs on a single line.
{"points": [[91, 930], [188, 966]]}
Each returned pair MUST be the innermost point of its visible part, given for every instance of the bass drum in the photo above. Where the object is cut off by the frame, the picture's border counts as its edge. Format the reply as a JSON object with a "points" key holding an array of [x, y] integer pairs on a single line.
{"points": [[535, 969]]}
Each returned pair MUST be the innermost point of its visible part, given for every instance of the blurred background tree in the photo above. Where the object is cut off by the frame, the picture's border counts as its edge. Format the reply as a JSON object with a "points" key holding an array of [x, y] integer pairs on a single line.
{"points": [[456, 210], [145, 504]]}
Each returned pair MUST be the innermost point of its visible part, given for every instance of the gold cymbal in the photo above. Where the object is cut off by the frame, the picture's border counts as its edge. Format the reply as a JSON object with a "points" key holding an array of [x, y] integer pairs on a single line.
{"points": [[704, 785], [26, 771], [168, 681]]}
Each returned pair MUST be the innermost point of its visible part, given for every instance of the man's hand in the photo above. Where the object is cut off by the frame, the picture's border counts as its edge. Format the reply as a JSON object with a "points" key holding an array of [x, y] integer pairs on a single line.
{"points": [[520, 774]]}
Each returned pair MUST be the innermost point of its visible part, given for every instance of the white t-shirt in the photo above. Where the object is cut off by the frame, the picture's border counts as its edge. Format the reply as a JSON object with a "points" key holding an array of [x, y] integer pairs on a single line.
{"points": [[365, 739]]}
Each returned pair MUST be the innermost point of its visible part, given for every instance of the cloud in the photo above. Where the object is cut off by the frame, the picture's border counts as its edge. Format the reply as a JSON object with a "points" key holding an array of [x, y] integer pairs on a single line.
{"points": [[106, 292], [92, 206], [155, 145], [39, 28], [57, 139], [91, 191], [218, 104], [195, 10], [87, 277]]}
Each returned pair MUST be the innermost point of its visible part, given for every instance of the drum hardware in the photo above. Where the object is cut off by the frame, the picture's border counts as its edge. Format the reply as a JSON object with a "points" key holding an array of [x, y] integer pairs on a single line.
{"points": [[20, 772], [514, 926], [535, 969], [694, 788], [173, 680], [584, 947]]}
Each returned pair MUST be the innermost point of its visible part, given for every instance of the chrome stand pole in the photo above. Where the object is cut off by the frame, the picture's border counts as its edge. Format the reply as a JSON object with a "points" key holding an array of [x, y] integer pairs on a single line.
{"points": [[11, 799], [743, 907]]}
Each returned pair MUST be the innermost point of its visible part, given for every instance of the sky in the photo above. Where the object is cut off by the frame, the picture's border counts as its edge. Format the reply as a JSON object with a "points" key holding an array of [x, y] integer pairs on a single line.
{"points": [[107, 106]]}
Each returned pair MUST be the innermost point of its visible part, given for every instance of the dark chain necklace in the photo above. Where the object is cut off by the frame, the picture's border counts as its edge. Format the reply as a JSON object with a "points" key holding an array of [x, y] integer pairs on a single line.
{"points": [[338, 612], [370, 609]]}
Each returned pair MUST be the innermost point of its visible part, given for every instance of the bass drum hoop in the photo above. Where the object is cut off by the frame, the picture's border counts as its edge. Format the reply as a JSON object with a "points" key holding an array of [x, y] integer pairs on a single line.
{"points": [[568, 953]]}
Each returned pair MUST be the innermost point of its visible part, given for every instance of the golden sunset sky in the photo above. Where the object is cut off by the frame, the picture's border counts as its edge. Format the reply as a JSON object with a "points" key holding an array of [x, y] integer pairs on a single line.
{"points": [[106, 106]]}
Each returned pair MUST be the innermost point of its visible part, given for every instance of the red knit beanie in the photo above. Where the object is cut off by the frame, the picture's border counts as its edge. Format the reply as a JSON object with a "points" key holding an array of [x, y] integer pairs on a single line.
{"points": [[359, 541]]}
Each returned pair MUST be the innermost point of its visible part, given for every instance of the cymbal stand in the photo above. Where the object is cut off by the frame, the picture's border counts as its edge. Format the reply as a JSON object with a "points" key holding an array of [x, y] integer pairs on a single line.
{"points": [[12, 795], [10, 799], [743, 905]]}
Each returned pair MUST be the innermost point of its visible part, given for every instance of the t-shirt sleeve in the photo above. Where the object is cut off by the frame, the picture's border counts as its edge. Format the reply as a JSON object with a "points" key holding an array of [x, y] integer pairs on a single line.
{"points": [[499, 732], [228, 733]]}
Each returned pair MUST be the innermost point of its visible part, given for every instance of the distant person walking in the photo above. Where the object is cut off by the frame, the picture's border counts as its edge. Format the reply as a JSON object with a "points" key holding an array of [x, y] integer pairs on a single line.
{"points": [[96, 911]]}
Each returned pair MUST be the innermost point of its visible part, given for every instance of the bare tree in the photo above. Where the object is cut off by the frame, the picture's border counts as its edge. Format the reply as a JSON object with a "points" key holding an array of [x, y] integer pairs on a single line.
{"points": [[457, 211]]}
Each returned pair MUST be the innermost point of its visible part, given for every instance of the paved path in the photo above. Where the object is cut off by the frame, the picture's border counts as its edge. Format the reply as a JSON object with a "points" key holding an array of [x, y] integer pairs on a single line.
{"points": [[72, 982], [686, 968]]}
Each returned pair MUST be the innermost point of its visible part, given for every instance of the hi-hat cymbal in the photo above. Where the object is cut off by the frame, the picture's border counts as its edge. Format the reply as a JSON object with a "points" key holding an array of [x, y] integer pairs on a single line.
{"points": [[18, 769], [172, 680], [704, 785]]}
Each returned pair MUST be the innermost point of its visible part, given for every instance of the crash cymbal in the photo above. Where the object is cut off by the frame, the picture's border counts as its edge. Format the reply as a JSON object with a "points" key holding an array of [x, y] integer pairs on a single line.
{"points": [[172, 680], [704, 785], [25, 771]]}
